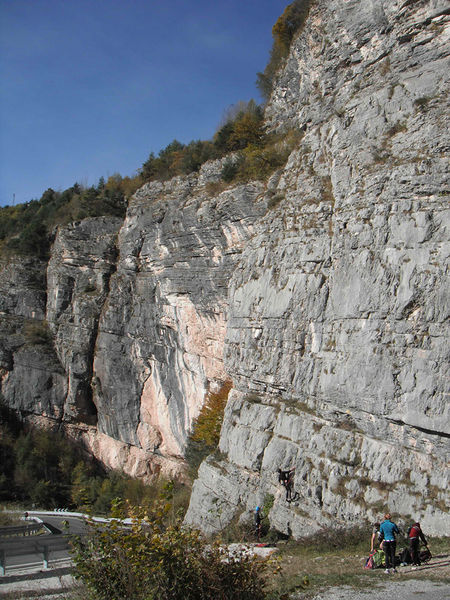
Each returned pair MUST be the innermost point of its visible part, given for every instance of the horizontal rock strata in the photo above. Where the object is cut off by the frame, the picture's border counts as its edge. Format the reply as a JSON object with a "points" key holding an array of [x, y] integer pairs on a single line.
{"points": [[337, 337], [322, 294]]}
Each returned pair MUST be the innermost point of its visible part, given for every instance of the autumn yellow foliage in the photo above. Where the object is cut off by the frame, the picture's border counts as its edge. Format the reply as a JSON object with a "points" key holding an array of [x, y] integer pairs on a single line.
{"points": [[205, 435], [208, 423]]}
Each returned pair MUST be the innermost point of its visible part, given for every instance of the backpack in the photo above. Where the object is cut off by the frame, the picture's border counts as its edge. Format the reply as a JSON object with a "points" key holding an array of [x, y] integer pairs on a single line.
{"points": [[405, 557], [379, 559], [369, 564], [425, 555]]}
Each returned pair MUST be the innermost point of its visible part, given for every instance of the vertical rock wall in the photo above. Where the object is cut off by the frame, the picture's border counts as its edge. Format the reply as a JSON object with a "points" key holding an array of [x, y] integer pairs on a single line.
{"points": [[322, 294], [126, 328], [32, 379], [160, 344], [337, 338], [82, 260]]}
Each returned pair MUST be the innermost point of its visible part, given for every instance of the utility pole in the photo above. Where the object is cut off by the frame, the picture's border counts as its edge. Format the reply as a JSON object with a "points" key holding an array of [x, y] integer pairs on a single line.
{"points": [[14, 199]]}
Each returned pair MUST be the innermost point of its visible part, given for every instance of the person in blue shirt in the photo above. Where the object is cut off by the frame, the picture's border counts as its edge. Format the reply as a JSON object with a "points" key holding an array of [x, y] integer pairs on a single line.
{"points": [[258, 519], [389, 530]]}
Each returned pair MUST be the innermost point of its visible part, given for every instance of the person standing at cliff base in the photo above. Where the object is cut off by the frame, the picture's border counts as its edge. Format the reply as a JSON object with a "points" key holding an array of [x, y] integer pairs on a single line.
{"points": [[415, 534], [388, 531], [258, 522], [375, 536]]}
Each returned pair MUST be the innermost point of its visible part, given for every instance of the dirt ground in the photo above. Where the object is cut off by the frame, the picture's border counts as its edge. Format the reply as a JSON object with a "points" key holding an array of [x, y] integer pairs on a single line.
{"points": [[335, 575]]}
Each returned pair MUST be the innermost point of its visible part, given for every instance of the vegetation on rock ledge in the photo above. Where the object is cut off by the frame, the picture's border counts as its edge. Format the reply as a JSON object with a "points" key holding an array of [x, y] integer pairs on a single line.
{"points": [[27, 228], [289, 24], [205, 435]]}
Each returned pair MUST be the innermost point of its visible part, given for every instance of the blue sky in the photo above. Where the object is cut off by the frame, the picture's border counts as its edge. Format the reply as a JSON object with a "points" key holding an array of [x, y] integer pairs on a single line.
{"points": [[91, 87]]}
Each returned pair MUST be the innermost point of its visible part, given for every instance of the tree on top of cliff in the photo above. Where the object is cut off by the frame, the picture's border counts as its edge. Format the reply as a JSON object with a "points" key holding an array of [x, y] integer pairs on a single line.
{"points": [[177, 159], [243, 127], [287, 26], [26, 228]]}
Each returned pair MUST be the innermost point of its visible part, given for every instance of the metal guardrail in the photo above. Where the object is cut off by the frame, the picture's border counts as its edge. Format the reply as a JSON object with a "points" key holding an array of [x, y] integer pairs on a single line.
{"points": [[21, 530], [43, 549]]}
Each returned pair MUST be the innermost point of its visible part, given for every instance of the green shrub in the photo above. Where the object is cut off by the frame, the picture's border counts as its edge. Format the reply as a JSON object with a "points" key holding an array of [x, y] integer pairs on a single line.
{"points": [[258, 162], [154, 559], [422, 102], [231, 169]]}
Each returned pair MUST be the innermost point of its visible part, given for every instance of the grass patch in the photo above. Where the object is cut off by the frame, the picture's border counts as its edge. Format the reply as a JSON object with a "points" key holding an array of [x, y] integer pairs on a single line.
{"points": [[334, 558], [329, 558], [10, 519], [37, 333], [305, 408]]}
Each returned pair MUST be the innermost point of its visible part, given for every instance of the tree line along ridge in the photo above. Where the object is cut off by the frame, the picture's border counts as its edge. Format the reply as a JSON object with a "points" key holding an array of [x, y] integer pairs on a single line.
{"points": [[25, 228]]}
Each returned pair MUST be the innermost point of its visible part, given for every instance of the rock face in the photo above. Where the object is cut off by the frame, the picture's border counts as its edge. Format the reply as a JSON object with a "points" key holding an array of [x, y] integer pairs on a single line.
{"points": [[161, 335], [132, 320], [337, 339], [322, 294], [32, 380]]}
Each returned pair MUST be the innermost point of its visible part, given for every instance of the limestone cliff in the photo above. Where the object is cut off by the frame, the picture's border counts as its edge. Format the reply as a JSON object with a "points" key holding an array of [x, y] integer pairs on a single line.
{"points": [[322, 295], [337, 338], [124, 336]]}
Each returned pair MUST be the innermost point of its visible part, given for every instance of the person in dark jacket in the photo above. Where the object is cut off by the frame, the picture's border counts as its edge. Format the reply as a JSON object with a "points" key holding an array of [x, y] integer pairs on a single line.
{"points": [[415, 534], [286, 478], [389, 530], [375, 536]]}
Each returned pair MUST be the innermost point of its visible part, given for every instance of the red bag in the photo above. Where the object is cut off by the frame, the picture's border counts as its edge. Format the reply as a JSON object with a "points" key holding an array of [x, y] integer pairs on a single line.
{"points": [[369, 562]]}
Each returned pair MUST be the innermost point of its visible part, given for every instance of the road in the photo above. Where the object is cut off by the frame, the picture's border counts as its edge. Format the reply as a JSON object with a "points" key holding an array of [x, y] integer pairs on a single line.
{"points": [[44, 550], [76, 525]]}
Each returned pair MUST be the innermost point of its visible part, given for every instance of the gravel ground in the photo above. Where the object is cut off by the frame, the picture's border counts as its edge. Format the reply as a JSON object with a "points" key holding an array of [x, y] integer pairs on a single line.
{"points": [[24, 583], [431, 581], [410, 589]]}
